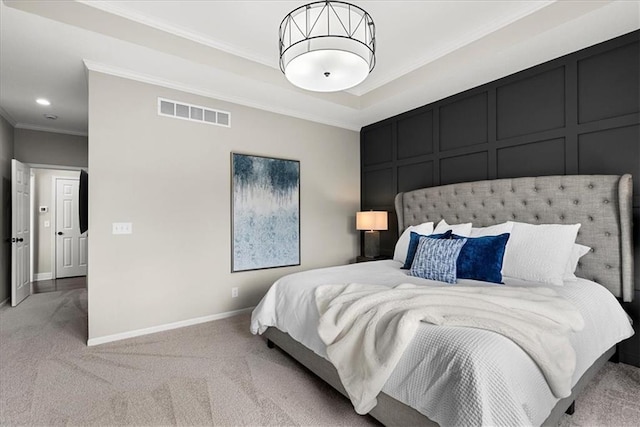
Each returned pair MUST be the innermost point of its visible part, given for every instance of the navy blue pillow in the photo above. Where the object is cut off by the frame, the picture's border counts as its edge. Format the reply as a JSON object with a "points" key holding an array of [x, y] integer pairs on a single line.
{"points": [[481, 258], [413, 245]]}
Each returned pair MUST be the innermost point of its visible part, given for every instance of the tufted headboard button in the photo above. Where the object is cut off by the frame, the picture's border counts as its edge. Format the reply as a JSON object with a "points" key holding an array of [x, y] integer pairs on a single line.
{"points": [[575, 202], [590, 186], [607, 234]]}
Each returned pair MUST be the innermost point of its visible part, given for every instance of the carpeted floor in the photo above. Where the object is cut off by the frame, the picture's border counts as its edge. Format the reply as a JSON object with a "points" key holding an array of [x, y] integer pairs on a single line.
{"points": [[215, 373]]}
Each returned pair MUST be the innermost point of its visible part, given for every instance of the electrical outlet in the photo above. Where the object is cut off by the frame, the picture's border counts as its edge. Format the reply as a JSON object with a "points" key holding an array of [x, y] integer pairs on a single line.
{"points": [[234, 292]]}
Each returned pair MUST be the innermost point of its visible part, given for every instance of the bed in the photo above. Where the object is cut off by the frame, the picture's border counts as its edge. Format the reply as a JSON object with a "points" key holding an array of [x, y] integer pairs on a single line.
{"points": [[495, 382]]}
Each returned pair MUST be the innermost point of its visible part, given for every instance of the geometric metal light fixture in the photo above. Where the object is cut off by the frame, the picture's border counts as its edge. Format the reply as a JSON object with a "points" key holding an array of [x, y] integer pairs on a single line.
{"points": [[327, 46]]}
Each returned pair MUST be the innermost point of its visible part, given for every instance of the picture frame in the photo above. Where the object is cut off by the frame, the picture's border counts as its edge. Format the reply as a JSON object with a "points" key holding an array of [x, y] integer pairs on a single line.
{"points": [[265, 212]]}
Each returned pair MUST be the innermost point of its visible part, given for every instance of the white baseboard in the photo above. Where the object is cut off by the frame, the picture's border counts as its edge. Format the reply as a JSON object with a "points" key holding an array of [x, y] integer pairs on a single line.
{"points": [[42, 276], [3, 303], [166, 327]]}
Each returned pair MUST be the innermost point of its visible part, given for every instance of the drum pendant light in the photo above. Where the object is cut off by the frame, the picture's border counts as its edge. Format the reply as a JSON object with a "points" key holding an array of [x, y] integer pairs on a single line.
{"points": [[327, 46]]}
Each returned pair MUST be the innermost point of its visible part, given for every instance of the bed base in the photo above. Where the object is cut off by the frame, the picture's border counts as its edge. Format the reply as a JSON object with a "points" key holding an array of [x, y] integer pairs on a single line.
{"points": [[390, 411]]}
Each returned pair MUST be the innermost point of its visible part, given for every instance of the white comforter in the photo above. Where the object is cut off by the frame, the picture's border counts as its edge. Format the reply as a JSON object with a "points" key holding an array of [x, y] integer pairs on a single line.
{"points": [[368, 327], [453, 375]]}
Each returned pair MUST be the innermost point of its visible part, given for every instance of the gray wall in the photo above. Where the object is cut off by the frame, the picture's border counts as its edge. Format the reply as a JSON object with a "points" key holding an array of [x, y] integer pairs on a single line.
{"points": [[578, 114], [171, 179], [6, 154], [48, 148]]}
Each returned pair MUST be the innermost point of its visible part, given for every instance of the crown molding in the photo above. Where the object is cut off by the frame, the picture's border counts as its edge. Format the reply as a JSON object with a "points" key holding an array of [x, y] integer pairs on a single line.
{"points": [[4, 113], [157, 81], [28, 126]]}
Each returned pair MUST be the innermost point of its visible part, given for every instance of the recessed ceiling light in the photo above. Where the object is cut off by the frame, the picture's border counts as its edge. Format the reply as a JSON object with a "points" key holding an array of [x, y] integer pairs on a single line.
{"points": [[50, 116], [43, 101]]}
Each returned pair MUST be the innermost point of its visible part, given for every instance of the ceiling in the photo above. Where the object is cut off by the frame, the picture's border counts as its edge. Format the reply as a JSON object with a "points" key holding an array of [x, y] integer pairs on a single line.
{"points": [[426, 50]]}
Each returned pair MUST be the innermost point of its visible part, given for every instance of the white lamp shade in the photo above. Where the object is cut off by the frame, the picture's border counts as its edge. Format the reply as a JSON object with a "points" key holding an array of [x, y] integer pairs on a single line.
{"points": [[327, 70], [371, 220]]}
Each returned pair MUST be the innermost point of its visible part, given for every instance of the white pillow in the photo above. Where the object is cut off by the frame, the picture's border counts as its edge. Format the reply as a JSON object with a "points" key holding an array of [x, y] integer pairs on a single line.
{"points": [[539, 253], [460, 229], [402, 246], [492, 230], [577, 252]]}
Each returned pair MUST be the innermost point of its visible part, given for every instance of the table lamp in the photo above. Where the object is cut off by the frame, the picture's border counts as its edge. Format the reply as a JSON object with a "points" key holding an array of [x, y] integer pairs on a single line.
{"points": [[370, 222]]}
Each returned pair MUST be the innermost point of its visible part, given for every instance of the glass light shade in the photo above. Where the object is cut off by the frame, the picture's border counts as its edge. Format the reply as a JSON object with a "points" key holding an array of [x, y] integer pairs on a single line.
{"points": [[327, 70], [327, 46], [371, 220]]}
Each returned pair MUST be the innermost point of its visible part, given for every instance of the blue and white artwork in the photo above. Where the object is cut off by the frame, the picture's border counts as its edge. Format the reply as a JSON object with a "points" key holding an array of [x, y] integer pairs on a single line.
{"points": [[266, 212]]}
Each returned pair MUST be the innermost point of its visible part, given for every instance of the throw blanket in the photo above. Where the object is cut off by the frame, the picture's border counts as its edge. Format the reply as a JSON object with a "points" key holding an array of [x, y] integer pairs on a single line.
{"points": [[367, 328]]}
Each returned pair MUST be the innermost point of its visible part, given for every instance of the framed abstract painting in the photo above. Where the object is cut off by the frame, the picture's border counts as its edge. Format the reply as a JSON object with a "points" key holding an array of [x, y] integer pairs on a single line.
{"points": [[265, 212]]}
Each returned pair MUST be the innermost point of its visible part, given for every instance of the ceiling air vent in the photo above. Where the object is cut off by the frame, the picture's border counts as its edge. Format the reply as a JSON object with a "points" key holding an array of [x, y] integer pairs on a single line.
{"points": [[194, 113]]}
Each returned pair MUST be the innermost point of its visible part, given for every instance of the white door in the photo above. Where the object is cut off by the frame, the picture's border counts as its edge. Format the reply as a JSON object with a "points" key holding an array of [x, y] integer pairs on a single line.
{"points": [[20, 232], [71, 245]]}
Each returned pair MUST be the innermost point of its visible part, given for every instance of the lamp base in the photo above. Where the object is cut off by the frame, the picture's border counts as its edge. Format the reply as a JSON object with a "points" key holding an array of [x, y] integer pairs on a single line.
{"points": [[371, 244]]}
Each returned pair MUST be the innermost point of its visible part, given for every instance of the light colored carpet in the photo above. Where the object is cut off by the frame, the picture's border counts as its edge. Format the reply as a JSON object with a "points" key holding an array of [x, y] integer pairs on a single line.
{"points": [[215, 373]]}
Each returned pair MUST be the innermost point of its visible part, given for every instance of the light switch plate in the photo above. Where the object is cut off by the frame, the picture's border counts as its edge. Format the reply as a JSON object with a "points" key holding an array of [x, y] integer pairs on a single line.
{"points": [[122, 228]]}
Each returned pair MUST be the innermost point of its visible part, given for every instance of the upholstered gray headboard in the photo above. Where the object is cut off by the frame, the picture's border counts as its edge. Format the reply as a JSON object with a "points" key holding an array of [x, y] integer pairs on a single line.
{"points": [[601, 203]]}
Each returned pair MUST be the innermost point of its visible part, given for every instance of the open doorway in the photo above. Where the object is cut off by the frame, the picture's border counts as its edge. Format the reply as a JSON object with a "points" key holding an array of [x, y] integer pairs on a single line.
{"points": [[59, 249]]}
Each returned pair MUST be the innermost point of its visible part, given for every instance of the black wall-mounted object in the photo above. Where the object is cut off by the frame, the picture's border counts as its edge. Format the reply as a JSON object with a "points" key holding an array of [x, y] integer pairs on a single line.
{"points": [[577, 114]]}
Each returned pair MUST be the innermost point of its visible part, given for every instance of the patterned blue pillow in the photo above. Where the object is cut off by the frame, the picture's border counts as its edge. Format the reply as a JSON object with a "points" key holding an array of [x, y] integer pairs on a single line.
{"points": [[436, 259], [413, 245]]}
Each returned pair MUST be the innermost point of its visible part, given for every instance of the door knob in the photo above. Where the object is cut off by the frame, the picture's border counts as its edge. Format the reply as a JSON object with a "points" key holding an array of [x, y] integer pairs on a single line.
{"points": [[60, 233], [19, 239]]}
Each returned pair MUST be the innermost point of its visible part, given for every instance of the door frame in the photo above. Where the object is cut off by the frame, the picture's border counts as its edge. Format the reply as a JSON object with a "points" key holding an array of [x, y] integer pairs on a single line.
{"points": [[53, 213]]}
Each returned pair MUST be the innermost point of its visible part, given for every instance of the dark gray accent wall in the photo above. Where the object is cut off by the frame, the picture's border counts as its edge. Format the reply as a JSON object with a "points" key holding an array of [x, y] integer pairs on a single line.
{"points": [[578, 114]]}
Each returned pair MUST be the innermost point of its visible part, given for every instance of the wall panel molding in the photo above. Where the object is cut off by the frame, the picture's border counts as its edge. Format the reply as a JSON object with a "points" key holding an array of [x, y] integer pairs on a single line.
{"points": [[579, 113]]}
